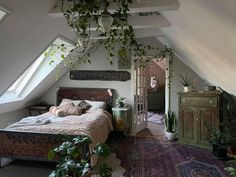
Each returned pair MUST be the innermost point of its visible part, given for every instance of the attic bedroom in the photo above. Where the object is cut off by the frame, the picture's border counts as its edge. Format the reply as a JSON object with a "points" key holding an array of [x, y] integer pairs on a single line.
{"points": [[117, 88]]}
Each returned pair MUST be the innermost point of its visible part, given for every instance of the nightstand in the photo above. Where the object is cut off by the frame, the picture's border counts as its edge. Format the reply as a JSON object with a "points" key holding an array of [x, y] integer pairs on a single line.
{"points": [[38, 109], [122, 119]]}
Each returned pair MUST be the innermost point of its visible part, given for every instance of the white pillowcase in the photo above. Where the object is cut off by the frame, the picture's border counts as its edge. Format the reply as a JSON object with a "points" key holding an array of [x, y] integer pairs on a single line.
{"points": [[96, 104], [67, 101]]}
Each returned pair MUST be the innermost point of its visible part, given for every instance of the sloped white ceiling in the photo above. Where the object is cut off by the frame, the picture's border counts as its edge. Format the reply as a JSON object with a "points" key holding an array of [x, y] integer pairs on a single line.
{"points": [[24, 34], [203, 33]]}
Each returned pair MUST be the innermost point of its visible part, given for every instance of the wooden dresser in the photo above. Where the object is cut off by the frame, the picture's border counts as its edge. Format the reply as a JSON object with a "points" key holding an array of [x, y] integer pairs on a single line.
{"points": [[199, 112]]}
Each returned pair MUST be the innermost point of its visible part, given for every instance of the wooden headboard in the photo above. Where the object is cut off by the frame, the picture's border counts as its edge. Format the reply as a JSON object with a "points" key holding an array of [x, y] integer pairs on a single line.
{"points": [[95, 94]]}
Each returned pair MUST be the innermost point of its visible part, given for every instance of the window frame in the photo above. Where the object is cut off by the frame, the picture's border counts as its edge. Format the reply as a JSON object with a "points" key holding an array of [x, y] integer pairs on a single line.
{"points": [[4, 10]]}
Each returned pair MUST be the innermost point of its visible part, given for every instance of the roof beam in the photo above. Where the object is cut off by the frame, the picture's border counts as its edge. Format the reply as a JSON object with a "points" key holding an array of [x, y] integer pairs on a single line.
{"points": [[139, 33], [135, 7], [143, 22]]}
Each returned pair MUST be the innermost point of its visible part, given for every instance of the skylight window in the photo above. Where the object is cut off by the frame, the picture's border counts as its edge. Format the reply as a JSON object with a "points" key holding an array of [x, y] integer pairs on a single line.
{"points": [[19, 84], [35, 73], [3, 13]]}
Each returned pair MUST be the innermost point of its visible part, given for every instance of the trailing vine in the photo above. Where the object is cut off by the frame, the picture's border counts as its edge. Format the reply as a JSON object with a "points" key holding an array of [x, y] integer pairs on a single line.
{"points": [[119, 41]]}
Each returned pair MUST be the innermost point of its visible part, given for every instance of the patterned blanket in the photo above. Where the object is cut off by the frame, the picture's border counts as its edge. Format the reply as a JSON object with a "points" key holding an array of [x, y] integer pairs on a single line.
{"points": [[94, 123]]}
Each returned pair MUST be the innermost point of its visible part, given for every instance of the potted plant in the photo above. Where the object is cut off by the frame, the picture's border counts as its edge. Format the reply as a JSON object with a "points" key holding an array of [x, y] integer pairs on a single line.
{"points": [[220, 141], [231, 170], [170, 125], [70, 162], [186, 82], [121, 102]]}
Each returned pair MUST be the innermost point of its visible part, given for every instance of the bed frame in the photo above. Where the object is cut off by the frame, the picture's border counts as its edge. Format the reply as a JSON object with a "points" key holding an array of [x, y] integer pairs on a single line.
{"points": [[35, 146]]}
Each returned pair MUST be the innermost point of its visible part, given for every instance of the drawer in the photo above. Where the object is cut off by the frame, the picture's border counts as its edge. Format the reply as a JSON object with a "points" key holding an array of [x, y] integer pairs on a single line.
{"points": [[199, 101]]}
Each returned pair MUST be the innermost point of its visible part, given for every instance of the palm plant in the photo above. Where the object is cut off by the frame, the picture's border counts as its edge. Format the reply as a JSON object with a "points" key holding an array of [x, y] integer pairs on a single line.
{"points": [[185, 80]]}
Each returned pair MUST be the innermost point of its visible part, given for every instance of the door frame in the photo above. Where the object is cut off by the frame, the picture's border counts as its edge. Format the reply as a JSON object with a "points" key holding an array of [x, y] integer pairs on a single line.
{"points": [[168, 76]]}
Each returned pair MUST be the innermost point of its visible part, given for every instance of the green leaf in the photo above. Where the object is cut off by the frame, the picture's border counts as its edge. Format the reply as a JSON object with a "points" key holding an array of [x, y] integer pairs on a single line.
{"points": [[105, 171], [82, 140], [53, 174], [51, 154], [102, 150], [73, 151]]}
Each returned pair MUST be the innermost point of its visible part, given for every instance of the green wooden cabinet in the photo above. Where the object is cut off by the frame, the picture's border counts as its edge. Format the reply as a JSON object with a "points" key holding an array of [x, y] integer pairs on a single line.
{"points": [[122, 119], [198, 112]]}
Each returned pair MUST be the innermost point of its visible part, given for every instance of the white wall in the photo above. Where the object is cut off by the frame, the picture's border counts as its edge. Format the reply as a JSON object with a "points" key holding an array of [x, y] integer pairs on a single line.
{"points": [[99, 62], [175, 85], [203, 34], [24, 34], [11, 117]]}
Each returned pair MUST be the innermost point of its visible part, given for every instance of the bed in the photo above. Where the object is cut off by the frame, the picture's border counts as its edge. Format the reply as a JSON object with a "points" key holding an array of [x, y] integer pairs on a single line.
{"points": [[34, 145]]}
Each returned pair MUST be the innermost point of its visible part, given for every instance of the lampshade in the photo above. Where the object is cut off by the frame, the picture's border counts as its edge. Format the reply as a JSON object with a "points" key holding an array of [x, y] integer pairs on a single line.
{"points": [[105, 21]]}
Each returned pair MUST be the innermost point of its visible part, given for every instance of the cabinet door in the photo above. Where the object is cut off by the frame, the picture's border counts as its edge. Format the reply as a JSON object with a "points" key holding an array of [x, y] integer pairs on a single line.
{"points": [[187, 125], [208, 119]]}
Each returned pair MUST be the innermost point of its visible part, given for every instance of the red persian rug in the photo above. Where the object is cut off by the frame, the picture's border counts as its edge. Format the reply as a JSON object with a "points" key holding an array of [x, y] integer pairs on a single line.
{"points": [[155, 157]]}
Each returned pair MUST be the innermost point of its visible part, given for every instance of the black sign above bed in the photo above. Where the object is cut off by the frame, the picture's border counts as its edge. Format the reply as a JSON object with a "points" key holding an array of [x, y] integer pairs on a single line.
{"points": [[100, 75]]}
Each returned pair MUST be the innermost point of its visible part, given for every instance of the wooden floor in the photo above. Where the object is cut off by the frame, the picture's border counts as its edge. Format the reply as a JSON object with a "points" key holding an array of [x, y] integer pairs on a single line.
{"points": [[153, 129]]}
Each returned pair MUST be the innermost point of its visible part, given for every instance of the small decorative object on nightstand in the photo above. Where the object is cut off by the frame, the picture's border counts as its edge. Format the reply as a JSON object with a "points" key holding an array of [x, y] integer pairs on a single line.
{"points": [[121, 119]]}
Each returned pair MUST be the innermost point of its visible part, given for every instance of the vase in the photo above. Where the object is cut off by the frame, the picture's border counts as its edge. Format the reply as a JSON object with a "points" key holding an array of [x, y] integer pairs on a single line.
{"points": [[186, 88]]}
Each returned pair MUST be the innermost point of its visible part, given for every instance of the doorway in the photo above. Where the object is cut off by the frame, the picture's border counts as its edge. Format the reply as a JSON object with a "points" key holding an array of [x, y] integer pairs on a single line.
{"points": [[151, 97], [156, 97]]}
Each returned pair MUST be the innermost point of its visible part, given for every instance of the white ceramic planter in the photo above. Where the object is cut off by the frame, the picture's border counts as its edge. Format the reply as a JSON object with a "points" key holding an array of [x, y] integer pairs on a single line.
{"points": [[170, 135], [186, 89]]}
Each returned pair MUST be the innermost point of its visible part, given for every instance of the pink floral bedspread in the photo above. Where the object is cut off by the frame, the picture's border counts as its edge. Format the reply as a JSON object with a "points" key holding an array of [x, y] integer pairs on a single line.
{"points": [[94, 123]]}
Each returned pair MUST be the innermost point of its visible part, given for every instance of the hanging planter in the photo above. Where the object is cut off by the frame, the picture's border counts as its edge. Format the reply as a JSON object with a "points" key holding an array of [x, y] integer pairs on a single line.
{"points": [[113, 31]]}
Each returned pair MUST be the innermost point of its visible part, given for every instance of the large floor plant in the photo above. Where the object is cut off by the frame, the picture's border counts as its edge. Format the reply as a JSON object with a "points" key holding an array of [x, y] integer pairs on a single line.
{"points": [[170, 125], [71, 163]]}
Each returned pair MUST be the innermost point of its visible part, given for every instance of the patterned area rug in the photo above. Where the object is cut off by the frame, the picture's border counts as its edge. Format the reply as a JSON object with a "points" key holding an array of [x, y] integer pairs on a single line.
{"points": [[21, 168], [155, 118], [194, 168], [112, 162], [152, 157]]}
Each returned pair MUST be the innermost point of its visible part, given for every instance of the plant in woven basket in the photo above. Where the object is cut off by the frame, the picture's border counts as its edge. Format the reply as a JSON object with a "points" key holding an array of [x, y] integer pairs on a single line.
{"points": [[71, 163], [220, 141]]}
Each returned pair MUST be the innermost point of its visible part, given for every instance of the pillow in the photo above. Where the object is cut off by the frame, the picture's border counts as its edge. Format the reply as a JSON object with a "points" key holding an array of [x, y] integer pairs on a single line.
{"points": [[96, 104], [67, 109], [55, 111], [67, 101], [84, 104], [74, 110]]}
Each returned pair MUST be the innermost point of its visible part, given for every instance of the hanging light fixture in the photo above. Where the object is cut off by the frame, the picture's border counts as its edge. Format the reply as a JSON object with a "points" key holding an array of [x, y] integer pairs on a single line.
{"points": [[105, 21]]}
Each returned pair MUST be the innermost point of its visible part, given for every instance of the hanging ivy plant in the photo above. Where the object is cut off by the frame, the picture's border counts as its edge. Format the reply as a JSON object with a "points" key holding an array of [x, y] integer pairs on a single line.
{"points": [[119, 39]]}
